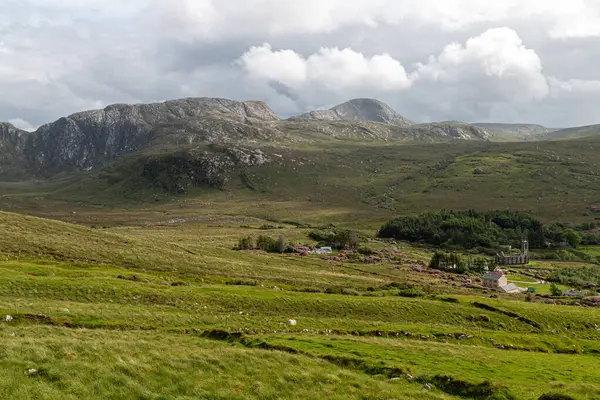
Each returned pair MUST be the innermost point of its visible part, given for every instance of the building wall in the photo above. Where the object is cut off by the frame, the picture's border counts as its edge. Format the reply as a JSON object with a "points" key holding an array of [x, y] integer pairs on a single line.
{"points": [[502, 281]]}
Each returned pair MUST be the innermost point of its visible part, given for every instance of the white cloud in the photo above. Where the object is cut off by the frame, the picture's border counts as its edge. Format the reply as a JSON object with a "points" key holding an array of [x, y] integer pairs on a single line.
{"points": [[332, 68], [210, 19], [574, 86], [58, 57], [22, 124], [498, 57]]}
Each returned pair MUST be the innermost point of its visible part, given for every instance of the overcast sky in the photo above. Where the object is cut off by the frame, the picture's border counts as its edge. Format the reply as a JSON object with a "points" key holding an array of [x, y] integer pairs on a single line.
{"points": [[534, 61]]}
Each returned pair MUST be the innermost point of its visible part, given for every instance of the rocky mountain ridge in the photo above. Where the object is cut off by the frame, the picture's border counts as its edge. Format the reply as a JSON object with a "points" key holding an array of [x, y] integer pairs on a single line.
{"points": [[92, 139], [522, 132], [358, 110]]}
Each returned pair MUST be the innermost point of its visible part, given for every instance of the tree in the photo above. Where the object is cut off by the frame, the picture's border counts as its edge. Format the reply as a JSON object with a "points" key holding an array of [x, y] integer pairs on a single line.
{"points": [[555, 290], [573, 238], [268, 244], [246, 243], [451, 262]]}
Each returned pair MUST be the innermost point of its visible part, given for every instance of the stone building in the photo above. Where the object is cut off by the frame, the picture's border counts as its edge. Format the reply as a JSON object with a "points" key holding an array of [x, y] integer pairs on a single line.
{"points": [[515, 259]]}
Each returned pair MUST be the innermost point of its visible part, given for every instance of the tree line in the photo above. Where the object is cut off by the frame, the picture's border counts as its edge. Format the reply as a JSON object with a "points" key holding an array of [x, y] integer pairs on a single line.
{"points": [[489, 229]]}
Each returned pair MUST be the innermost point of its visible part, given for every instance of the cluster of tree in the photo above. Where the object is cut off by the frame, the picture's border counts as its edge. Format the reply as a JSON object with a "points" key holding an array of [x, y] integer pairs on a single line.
{"points": [[457, 263], [341, 239], [466, 229], [264, 243], [563, 233], [574, 235]]}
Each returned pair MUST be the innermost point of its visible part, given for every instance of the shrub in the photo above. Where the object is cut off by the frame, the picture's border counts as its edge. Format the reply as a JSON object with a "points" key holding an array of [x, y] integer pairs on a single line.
{"points": [[246, 243], [366, 251], [555, 396], [411, 293], [241, 282], [267, 244], [555, 290], [452, 262]]}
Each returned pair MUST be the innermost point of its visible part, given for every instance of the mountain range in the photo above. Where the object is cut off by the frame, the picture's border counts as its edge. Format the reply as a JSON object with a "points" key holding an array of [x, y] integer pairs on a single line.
{"points": [[179, 145], [92, 139]]}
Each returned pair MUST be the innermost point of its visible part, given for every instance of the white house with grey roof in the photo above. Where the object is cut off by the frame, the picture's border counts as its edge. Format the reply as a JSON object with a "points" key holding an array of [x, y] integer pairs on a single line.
{"points": [[496, 280]]}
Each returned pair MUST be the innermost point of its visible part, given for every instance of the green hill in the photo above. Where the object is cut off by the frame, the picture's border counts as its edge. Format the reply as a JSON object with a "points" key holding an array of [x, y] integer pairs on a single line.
{"points": [[170, 310], [574, 133]]}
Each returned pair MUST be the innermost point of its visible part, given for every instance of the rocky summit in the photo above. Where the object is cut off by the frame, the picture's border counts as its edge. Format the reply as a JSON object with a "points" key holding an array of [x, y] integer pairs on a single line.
{"points": [[359, 110], [92, 138]]}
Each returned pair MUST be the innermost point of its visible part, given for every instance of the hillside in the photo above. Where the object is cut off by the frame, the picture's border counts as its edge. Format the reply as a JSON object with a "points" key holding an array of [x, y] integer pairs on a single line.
{"points": [[107, 305], [359, 110], [358, 183], [511, 132], [12, 144], [574, 133]]}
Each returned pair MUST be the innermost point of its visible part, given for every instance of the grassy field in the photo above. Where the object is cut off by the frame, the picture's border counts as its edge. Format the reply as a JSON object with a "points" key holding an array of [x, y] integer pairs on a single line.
{"points": [[169, 310], [359, 184]]}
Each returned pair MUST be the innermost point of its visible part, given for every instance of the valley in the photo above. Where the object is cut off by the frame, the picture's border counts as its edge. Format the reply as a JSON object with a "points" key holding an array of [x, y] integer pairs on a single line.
{"points": [[122, 274]]}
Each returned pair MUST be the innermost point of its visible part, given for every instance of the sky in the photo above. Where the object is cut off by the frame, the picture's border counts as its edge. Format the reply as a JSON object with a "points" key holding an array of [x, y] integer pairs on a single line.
{"points": [[513, 61]]}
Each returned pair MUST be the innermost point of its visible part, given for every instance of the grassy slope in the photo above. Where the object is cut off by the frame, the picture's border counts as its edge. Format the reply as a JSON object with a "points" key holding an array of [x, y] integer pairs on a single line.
{"points": [[113, 355], [356, 184]]}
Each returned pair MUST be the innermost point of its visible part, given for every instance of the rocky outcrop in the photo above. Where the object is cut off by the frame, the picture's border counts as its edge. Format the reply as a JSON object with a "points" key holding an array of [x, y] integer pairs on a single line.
{"points": [[212, 166], [453, 131], [359, 110], [12, 143], [518, 132], [92, 138], [12, 139]]}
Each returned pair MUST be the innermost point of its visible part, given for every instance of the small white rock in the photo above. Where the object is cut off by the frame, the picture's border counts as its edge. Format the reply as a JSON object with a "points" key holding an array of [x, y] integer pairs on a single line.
{"points": [[31, 371], [292, 322], [9, 318]]}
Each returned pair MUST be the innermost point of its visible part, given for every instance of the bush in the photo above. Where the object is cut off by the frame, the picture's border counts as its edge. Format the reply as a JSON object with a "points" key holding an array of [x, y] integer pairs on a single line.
{"points": [[555, 396], [555, 290], [366, 251], [452, 262], [241, 282], [411, 293], [246, 243], [264, 243]]}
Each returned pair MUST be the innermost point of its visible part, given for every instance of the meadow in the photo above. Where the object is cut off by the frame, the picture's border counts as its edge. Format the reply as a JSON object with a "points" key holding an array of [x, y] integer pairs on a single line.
{"points": [[165, 308]]}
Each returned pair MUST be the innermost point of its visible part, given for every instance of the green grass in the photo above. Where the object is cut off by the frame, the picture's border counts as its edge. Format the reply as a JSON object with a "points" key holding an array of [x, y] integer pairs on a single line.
{"points": [[133, 365], [527, 375], [122, 313], [520, 278], [359, 184]]}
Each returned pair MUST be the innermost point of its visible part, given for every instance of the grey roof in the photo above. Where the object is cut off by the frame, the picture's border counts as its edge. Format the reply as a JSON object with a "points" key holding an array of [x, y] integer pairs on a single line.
{"points": [[510, 287], [493, 276]]}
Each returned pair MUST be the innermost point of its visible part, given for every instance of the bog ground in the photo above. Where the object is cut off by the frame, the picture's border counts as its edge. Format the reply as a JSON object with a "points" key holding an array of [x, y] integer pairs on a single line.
{"points": [[170, 311]]}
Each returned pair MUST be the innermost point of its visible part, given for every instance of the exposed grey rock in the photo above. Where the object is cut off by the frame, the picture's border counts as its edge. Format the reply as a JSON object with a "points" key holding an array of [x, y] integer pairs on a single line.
{"points": [[359, 110], [11, 138], [454, 130], [174, 138], [519, 132], [92, 138], [12, 144]]}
